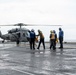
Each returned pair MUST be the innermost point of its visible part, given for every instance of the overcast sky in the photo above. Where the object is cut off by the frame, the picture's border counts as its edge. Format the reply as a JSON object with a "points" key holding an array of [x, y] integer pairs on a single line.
{"points": [[51, 12]]}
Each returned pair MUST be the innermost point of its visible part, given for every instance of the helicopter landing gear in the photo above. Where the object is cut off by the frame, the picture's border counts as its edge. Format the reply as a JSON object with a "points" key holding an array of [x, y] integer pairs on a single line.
{"points": [[3, 41]]}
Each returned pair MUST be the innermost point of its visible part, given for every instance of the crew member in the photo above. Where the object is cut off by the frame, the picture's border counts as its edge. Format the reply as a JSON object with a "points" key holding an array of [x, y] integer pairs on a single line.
{"points": [[52, 40], [41, 39], [18, 39], [32, 39], [61, 34], [55, 38]]}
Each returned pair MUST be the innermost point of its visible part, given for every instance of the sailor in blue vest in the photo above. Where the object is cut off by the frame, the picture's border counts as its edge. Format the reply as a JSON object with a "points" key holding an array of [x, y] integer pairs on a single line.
{"points": [[61, 34], [32, 39]]}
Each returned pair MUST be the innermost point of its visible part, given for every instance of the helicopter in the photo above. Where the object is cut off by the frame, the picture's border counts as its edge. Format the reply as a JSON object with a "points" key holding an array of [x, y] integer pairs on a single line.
{"points": [[18, 33]]}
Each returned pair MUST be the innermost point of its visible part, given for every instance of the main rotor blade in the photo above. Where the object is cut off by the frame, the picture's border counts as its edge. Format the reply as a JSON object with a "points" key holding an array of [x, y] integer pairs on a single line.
{"points": [[40, 25], [22, 24], [6, 25], [19, 24]]}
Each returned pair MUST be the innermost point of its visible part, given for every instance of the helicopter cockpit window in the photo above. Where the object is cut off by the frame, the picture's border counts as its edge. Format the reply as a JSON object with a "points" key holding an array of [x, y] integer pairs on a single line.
{"points": [[9, 31]]}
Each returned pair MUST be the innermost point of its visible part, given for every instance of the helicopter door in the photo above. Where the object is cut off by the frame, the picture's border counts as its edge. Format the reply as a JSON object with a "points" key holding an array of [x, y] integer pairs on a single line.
{"points": [[24, 37], [23, 34], [18, 35]]}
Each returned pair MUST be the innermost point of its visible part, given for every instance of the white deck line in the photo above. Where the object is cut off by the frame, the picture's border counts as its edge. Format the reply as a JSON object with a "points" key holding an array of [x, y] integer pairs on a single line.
{"points": [[22, 71]]}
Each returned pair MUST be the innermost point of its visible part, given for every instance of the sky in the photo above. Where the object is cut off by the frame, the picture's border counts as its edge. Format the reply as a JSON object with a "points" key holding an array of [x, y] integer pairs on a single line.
{"points": [[45, 12]]}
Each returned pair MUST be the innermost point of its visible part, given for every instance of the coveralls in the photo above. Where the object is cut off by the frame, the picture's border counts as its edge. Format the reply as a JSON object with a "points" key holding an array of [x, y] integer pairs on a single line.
{"points": [[61, 34], [41, 39], [32, 40]]}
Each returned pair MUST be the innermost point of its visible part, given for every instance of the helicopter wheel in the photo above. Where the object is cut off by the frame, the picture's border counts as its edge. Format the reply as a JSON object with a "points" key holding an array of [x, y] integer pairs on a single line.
{"points": [[3, 41]]}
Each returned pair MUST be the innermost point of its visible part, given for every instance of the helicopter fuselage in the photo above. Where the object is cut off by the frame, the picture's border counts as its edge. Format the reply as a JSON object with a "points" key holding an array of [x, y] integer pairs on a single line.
{"points": [[15, 34]]}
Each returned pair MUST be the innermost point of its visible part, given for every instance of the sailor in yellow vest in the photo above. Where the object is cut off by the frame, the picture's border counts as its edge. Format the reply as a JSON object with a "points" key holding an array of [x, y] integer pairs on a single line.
{"points": [[56, 40], [41, 39], [52, 40]]}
